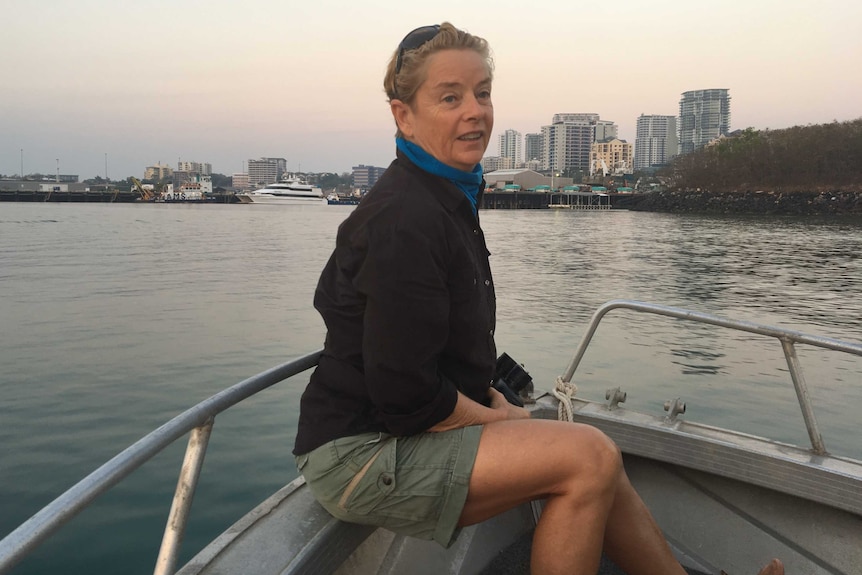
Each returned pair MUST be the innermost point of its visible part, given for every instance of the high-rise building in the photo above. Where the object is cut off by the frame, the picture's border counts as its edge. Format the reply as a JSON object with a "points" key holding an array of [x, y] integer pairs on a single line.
{"points": [[158, 172], [266, 171], [239, 181], [605, 130], [510, 146], [656, 141], [532, 147], [203, 169], [364, 177], [577, 118], [566, 143], [704, 115]]}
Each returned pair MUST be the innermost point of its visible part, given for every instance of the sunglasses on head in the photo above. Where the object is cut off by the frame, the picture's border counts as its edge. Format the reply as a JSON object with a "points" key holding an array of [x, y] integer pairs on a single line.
{"points": [[413, 40]]}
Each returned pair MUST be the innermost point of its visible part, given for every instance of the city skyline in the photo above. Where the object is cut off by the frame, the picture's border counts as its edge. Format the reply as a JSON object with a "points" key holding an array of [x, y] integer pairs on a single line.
{"points": [[93, 82]]}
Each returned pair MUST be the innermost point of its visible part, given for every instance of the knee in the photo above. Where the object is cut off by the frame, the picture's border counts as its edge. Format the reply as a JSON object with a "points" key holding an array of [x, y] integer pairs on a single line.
{"points": [[607, 456], [598, 461]]}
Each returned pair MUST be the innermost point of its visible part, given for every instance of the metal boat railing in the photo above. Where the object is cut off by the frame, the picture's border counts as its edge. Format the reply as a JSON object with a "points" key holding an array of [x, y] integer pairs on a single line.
{"points": [[197, 422], [788, 338]]}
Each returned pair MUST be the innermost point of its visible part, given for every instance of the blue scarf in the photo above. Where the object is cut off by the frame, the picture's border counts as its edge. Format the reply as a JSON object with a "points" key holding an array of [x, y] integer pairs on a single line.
{"points": [[467, 182]]}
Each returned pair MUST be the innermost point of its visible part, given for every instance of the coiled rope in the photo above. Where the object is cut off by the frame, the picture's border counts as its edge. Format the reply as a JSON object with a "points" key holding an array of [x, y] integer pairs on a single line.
{"points": [[564, 392]]}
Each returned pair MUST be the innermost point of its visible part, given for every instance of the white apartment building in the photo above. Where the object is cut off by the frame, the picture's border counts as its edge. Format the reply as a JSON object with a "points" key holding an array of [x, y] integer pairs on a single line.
{"points": [[510, 146], [239, 181], [566, 145], [265, 171], [576, 118], [656, 142], [704, 115], [605, 130], [203, 169]]}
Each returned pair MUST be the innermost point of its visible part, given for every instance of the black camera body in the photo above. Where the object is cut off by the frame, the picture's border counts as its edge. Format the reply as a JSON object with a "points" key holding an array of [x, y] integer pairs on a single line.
{"points": [[511, 379]]}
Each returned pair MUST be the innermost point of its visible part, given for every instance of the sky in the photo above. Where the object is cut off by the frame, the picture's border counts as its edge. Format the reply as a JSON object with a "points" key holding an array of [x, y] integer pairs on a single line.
{"points": [[108, 87]]}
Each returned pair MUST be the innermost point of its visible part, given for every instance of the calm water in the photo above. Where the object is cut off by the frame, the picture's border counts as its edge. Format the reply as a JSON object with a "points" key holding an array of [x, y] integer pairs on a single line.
{"points": [[116, 318]]}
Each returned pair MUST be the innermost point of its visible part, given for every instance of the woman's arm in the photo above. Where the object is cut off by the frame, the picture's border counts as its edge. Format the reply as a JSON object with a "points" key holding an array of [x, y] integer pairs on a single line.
{"points": [[468, 412]]}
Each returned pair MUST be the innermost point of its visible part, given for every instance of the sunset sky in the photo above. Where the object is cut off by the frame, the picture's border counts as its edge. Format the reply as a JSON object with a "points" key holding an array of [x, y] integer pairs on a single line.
{"points": [[211, 81]]}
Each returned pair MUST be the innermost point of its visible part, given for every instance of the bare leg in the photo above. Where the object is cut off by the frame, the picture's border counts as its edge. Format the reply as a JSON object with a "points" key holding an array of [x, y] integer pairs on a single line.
{"points": [[590, 502], [632, 538]]}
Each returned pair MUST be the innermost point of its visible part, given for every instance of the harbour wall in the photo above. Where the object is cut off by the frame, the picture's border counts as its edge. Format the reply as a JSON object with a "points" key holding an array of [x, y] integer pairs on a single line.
{"points": [[774, 202], [110, 196]]}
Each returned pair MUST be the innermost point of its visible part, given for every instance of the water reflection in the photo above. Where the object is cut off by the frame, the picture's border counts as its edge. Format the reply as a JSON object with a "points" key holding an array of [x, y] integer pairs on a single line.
{"points": [[553, 269]]}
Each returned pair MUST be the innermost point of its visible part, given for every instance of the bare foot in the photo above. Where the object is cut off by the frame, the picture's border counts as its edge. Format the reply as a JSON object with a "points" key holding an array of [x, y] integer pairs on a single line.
{"points": [[775, 567]]}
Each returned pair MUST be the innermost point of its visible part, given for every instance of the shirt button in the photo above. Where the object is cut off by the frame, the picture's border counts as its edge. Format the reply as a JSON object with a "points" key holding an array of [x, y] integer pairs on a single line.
{"points": [[487, 282], [474, 281], [476, 232], [385, 480], [491, 332]]}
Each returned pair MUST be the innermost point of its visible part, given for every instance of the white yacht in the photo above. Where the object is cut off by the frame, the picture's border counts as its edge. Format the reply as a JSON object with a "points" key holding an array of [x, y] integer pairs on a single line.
{"points": [[290, 190]]}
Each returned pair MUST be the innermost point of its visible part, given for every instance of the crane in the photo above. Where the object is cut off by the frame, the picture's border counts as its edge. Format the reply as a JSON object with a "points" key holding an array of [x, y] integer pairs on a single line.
{"points": [[146, 195]]}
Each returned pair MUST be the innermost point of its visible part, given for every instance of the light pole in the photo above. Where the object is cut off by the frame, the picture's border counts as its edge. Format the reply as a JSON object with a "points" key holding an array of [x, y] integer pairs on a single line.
{"points": [[554, 174]]}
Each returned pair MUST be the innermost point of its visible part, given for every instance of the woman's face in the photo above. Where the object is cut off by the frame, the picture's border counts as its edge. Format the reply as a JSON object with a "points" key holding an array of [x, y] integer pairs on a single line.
{"points": [[451, 116]]}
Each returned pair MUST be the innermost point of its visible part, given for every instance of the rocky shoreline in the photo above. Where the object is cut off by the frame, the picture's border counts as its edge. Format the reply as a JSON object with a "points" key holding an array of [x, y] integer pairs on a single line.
{"points": [[785, 203]]}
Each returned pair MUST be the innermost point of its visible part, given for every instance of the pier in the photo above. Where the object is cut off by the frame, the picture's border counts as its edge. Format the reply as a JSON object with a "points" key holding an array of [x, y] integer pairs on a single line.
{"points": [[541, 200], [102, 196]]}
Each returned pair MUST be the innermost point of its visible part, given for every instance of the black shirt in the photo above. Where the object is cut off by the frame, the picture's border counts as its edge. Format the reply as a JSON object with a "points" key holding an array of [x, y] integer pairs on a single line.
{"points": [[409, 306]]}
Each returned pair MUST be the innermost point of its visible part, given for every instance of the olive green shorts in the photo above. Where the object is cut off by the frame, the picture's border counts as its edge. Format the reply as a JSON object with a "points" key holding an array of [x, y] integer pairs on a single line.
{"points": [[413, 485]]}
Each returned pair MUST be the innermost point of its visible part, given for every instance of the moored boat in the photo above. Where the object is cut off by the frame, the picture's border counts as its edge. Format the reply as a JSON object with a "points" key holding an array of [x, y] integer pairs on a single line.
{"points": [[724, 499], [288, 191]]}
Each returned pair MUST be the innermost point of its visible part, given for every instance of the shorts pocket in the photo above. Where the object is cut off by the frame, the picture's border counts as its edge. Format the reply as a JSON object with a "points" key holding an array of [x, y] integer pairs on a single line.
{"points": [[374, 480]]}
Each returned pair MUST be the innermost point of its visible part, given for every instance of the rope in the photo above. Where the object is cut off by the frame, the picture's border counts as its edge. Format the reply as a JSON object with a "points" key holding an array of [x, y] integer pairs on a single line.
{"points": [[564, 392]]}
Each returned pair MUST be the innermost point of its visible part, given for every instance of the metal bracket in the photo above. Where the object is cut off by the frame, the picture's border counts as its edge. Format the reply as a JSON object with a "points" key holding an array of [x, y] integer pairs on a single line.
{"points": [[615, 397], [674, 407]]}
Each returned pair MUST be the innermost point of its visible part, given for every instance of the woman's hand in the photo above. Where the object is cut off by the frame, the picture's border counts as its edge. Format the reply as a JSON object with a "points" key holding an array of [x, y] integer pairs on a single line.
{"points": [[499, 402]]}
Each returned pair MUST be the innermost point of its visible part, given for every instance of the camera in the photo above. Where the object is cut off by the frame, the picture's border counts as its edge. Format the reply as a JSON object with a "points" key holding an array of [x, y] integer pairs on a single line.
{"points": [[512, 380]]}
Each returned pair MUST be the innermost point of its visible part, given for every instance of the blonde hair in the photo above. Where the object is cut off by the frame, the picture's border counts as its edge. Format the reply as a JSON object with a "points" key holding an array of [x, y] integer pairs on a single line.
{"points": [[404, 84]]}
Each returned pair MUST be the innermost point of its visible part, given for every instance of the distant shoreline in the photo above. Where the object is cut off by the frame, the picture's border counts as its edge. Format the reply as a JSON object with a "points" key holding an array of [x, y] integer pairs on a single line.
{"points": [[823, 202]]}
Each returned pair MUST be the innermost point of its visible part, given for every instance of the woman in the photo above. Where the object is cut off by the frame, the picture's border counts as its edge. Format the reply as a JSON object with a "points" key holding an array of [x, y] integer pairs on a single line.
{"points": [[399, 426]]}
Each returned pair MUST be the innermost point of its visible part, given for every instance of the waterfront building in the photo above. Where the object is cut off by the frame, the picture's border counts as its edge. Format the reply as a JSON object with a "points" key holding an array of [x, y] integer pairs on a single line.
{"points": [[364, 177], [510, 146], [158, 172], [656, 142], [526, 179], [239, 182], [605, 130], [704, 115], [533, 148], [535, 165], [266, 171], [613, 156], [492, 163], [566, 145], [203, 169], [576, 118]]}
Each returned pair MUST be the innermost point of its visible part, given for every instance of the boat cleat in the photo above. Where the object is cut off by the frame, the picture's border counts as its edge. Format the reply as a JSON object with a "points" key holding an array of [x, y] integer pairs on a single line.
{"points": [[615, 397], [673, 407]]}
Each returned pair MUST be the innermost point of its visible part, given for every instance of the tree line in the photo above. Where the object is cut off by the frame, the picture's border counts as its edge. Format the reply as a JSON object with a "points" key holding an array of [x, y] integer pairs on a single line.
{"points": [[801, 157]]}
